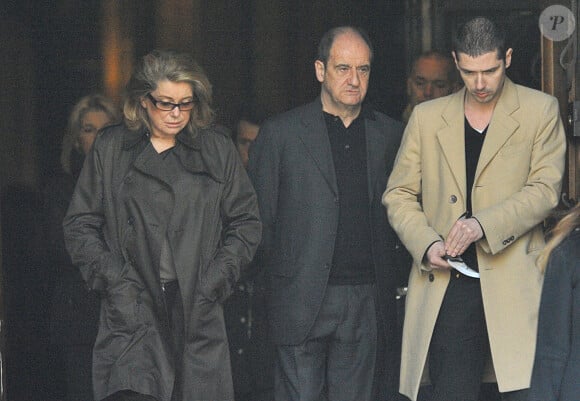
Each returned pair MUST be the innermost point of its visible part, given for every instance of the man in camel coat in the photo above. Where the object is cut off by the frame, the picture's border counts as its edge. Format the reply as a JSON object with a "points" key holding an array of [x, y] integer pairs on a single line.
{"points": [[477, 173]]}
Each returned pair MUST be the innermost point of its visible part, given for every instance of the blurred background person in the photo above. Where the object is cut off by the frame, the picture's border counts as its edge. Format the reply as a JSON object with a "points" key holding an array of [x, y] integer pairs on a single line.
{"points": [[556, 374], [245, 134], [75, 309], [433, 75], [161, 222], [251, 350]]}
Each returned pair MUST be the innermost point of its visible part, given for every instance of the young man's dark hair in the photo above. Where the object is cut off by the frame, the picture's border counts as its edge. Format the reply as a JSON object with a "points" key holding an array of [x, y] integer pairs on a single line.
{"points": [[479, 36]]}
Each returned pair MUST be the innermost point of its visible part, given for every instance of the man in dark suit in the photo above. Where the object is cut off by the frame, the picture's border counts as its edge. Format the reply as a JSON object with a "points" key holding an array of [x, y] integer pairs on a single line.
{"points": [[319, 172]]}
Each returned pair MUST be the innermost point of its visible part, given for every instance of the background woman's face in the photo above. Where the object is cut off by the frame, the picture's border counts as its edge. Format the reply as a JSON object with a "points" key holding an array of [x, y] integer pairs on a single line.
{"points": [[91, 123]]}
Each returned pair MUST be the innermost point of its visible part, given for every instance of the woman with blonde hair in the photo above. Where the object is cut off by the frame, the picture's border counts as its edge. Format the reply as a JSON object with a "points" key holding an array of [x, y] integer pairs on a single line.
{"points": [[89, 115], [556, 374], [74, 309]]}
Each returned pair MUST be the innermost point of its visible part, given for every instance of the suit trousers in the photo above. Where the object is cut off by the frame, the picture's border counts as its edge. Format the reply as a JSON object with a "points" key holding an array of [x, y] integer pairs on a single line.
{"points": [[336, 361], [459, 344]]}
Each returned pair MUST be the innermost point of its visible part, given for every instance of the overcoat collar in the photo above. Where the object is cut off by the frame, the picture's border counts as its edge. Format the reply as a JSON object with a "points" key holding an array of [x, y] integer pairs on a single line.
{"points": [[452, 140], [452, 135], [501, 127]]}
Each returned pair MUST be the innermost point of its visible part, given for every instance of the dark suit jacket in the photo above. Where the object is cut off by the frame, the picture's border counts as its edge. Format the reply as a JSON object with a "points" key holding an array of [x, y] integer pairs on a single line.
{"points": [[292, 169]]}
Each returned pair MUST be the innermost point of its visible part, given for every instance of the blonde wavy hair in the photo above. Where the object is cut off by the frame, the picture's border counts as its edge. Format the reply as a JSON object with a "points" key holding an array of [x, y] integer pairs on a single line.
{"points": [[166, 65], [86, 104]]}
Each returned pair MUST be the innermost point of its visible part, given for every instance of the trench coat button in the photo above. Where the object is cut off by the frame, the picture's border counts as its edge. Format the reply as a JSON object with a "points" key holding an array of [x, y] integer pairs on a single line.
{"points": [[242, 319], [431, 277], [327, 266], [453, 199], [336, 200], [130, 220]]}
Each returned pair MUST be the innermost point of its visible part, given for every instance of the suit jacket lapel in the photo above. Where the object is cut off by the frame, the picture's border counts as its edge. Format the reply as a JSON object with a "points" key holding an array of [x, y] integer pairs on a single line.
{"points": [[501, 127], [314, 136], [375, 159], [452, 139]]}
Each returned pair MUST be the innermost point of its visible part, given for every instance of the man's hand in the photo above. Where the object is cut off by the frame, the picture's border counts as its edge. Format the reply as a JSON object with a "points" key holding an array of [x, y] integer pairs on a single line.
{"points": [[463, 233], [435, 255]]}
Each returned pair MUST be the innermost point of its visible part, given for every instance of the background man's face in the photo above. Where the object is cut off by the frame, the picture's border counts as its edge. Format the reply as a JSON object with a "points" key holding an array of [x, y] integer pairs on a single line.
{"points": [[246, 135], [429, 80]]}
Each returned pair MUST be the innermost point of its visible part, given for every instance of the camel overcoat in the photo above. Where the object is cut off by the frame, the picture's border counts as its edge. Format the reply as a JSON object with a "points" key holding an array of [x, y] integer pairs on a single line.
{"points": [[517, 184]]}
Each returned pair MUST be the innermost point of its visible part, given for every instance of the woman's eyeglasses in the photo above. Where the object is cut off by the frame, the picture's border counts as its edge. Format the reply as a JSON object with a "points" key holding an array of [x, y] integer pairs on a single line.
{"points": [[168, 106]]}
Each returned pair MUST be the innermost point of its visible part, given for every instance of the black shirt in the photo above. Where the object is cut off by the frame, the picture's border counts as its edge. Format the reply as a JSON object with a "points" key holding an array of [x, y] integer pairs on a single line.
{"points": [[473, 145], [352, 261]]}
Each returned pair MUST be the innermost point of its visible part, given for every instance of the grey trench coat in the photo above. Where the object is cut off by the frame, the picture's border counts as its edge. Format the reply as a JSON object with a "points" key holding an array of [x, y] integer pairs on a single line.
{"points": [[124, 207]]}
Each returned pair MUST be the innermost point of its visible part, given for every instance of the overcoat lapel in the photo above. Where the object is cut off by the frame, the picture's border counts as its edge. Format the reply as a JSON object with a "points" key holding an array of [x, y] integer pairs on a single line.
{"points": [[501, 127], [314, 136], [452, 140]]}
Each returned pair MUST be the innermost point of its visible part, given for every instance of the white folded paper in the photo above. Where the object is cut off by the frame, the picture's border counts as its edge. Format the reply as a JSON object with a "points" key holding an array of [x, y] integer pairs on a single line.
{"points": [[462, 268]]}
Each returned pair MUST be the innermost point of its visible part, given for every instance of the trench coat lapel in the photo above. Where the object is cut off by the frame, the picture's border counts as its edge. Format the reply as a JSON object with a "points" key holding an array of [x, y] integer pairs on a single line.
{"points": [[149, 162], [314, 136], [452, 139], [501, 127], [141, 154]]}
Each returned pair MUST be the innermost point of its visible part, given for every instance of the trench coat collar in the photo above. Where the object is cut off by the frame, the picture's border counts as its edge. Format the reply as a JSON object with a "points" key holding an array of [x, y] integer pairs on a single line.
{"points": [[188, 149], [132, 138]]}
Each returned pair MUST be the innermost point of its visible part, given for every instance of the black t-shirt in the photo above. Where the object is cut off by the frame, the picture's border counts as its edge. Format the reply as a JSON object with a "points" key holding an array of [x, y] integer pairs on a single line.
{"points": [[473, 145]]}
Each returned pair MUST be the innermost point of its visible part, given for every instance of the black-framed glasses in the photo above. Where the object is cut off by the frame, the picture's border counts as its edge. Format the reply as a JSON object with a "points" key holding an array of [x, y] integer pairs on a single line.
{"points": [[168, 106]]}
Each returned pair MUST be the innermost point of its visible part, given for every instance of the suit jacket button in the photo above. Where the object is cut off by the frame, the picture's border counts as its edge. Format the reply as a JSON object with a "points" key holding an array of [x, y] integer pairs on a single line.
{"points": [[431, 277], [453, 199]]}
